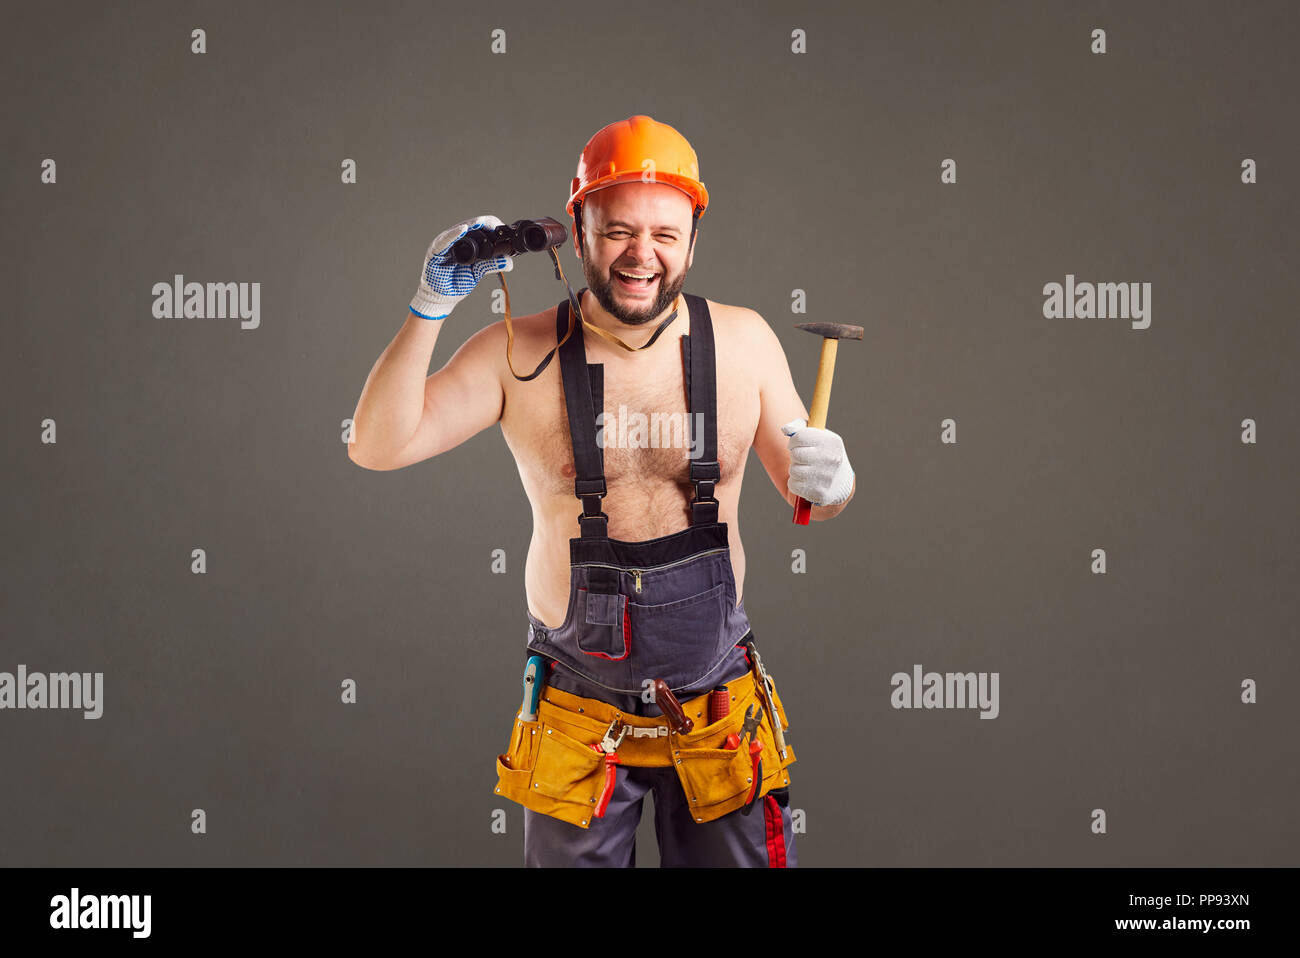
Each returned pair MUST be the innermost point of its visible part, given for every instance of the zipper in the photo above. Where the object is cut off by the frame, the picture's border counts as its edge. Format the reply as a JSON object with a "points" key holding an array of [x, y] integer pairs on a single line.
{"points": [[667, 565]]}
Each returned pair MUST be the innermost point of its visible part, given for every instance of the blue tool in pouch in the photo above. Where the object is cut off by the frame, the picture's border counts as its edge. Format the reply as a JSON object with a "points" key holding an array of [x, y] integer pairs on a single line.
{"points": [[534, 677]]}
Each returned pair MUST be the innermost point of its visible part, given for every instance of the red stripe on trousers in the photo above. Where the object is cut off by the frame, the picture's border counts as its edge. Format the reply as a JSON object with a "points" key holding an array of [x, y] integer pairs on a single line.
{"points": [[775, 833]]}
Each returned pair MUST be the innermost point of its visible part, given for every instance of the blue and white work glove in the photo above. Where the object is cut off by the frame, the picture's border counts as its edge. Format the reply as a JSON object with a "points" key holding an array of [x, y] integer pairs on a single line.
{"points": [[443, 281], [819, 466]]}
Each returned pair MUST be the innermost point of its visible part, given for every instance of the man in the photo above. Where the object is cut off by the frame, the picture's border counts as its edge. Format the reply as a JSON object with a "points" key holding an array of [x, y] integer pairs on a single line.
{"points": [[643, 591]]}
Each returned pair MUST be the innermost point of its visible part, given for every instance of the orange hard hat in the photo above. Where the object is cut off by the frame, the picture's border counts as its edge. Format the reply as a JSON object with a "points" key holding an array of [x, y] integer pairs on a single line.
{"points": [[639, 148]]}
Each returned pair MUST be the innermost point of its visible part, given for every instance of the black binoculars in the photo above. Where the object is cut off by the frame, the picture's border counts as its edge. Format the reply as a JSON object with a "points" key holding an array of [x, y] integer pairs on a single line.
{"points": [[521, 236]]}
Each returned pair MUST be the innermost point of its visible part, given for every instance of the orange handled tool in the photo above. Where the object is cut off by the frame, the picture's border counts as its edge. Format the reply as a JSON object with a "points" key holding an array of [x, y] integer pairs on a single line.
{"points": [[608, 745], [831, 334], [719, 704], [750, 731]]}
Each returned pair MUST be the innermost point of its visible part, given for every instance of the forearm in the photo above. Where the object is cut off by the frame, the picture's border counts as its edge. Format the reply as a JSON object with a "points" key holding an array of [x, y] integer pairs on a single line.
{"points": [[392, 400]]}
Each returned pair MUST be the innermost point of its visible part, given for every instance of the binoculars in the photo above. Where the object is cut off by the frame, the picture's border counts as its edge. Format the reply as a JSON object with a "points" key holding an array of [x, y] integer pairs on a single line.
{"points": [[521, 236]]}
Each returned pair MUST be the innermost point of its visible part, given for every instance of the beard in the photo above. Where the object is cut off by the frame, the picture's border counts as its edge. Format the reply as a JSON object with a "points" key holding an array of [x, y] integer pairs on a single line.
{"points": [[602, 287]]}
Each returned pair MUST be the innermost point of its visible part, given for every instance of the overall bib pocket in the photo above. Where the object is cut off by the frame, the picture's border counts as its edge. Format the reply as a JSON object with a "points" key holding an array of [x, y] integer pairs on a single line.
{"points": [[606, 632], [668, 635]]}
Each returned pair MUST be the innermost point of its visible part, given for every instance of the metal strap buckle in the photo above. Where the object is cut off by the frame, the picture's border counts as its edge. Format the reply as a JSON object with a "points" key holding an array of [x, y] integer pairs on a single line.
{"points": [[654, 731]]}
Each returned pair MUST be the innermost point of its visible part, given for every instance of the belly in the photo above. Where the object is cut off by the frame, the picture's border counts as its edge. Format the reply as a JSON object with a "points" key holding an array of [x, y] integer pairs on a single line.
{"points": [[546, 570]]}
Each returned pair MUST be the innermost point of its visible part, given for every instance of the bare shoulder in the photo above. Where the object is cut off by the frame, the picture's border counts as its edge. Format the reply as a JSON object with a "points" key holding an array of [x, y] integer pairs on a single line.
{"points": [[535, 326], [530, 338], [744, 332]]}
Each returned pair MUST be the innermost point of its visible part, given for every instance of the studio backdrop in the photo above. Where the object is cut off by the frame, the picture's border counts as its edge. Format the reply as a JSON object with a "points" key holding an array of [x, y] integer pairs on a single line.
{"points": [[1055, 626]]}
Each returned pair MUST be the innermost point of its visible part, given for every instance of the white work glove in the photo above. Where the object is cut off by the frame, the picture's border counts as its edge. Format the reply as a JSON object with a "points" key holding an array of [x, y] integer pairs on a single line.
{"points": [[443, 281], [819, 466]]}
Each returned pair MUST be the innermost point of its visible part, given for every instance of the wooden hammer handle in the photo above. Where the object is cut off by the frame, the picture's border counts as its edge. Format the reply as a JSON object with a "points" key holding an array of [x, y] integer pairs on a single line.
{"points": [[817, 415]]}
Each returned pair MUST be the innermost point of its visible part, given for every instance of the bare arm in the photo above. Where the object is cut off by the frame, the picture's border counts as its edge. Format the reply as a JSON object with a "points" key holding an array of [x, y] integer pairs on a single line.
{"points": [[779, 404], [403, 417]]}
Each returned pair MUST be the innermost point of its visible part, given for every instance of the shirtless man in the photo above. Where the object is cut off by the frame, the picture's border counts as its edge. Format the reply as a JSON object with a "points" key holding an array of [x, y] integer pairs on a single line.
{"points": [[624, 228]]}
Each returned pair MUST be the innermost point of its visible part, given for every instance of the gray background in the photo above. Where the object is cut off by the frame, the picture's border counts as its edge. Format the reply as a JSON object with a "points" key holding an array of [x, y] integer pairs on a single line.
{"points": [[1119, 691]]}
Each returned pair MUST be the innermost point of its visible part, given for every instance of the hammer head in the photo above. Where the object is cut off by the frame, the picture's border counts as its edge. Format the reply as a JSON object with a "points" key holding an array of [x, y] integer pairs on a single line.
{"points": [[832, 330]]}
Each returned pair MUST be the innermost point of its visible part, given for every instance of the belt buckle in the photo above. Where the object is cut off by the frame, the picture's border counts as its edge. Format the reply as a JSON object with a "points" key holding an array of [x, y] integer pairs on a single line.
{"points": [[652, 731]]}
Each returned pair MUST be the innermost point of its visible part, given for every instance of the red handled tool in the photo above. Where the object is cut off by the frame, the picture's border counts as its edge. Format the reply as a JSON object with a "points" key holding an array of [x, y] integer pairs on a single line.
{"points": [[750, 731], [609, 746], [719, 704]]}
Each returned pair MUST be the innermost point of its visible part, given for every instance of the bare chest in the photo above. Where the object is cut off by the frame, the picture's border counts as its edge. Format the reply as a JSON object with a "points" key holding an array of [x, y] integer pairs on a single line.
{"points": [[644, 431]]}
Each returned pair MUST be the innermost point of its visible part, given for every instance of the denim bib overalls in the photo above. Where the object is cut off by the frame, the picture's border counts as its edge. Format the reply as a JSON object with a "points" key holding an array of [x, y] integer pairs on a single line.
{"points": [[661, 608]]}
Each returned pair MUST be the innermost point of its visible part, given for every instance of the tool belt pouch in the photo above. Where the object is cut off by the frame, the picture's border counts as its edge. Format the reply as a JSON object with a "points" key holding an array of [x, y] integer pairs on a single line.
{"points": [[552, 768], [551, 772], [718, 781]]}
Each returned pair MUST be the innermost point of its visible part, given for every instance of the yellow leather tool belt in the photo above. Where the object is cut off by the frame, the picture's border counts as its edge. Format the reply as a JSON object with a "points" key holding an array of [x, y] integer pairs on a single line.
{"points": [[552, 768]]}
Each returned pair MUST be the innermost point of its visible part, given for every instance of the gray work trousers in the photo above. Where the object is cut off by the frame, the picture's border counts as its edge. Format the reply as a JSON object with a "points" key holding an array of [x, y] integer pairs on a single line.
{"points": [[762, 839]]}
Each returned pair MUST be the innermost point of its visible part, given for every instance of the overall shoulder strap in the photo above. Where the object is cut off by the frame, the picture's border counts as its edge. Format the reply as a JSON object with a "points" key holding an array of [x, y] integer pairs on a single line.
{"points": [[698, 357], [580, 402]]}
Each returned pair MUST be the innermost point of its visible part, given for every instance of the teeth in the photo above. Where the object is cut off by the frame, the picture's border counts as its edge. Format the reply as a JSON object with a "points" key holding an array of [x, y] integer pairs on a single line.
{"points": [[635, 275]]}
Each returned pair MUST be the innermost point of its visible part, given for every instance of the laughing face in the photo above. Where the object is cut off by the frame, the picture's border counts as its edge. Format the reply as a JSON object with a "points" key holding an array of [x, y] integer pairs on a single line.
{"points": [[634, 254]]}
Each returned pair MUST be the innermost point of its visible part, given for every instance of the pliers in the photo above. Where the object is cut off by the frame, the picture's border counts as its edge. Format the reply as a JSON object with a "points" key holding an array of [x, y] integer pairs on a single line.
{"points": [[608, 745], [753, 715]]}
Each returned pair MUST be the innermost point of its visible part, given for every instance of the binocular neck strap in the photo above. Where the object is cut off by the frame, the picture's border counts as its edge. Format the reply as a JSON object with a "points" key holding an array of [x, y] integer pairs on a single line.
{"points": [[575, 311]]}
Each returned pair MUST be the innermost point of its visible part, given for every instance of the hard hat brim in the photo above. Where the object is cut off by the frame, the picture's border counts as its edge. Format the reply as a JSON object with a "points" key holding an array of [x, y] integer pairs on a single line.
{"points": [[693, 189]]}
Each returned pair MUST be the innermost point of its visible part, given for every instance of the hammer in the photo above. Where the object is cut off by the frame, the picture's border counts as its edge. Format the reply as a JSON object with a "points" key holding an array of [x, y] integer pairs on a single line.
{"points": [[832, 333]]}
